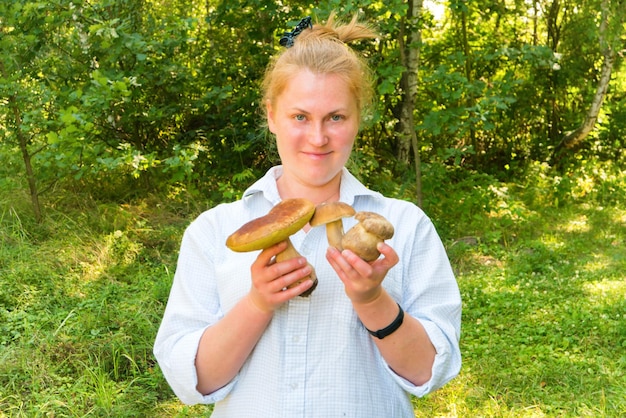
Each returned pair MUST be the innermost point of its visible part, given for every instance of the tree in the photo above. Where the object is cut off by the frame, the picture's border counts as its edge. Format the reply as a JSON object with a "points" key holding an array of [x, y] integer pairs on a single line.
{"points": [[28, 37], [409, 41], [23, 142], [610, 31]]}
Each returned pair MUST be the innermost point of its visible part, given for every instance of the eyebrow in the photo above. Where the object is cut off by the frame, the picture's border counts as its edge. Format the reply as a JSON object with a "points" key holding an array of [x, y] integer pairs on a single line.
{"points": [[333, 112]]}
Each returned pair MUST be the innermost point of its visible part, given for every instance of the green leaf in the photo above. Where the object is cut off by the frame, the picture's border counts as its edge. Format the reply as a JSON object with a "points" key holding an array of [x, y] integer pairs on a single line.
{"points": [[52, 137]]}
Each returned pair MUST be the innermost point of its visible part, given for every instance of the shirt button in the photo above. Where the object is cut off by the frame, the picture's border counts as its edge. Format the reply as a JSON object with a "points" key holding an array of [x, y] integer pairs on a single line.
{"points": [[296, 339], [294, 386]]}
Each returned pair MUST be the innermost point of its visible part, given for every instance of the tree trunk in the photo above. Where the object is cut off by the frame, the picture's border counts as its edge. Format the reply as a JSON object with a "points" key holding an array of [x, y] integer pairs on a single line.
{"points": [[535, 23], [470, 100], [556, 17], [409, 43], [573, 139], [26, 155]]}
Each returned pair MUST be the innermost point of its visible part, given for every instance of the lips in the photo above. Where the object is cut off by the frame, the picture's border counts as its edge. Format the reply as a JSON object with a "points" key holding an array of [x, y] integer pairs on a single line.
{"points": [[317, 155]]}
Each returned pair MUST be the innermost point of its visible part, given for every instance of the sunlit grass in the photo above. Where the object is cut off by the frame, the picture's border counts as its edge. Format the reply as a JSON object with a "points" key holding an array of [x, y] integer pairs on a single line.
{"points": [[606, 291], [544, 330]]}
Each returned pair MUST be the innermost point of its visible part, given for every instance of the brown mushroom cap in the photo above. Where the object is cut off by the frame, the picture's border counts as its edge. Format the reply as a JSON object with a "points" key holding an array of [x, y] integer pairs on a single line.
{"points": [[363, 237], [331, 212], [282, 221], [375, 224]]}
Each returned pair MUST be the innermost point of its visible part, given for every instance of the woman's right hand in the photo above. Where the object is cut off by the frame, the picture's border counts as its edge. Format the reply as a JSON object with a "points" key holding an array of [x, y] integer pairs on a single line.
{"points": [[226, 345], [271, 280]]}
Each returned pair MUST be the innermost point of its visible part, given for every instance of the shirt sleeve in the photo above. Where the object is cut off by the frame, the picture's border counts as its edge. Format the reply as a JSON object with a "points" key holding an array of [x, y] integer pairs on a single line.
{"points": [[431, 295], [193, 305]]}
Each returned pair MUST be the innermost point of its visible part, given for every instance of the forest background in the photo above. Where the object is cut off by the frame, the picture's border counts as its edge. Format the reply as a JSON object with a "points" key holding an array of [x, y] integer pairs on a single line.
{"points": [[122, 120]]}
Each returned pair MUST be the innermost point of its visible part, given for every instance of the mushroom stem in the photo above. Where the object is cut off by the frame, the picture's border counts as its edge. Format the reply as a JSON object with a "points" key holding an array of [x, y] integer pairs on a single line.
{"points": [[330, 214], [291, 252], [288, 253], [334, 233]]}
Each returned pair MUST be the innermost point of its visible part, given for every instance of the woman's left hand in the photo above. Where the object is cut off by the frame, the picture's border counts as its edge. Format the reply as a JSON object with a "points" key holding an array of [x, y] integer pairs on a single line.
{"points": [[362, 280]]}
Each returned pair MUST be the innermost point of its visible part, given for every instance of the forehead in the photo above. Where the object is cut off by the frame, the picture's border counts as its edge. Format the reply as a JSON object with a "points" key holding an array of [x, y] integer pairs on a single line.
{"points": [[306, 87]]}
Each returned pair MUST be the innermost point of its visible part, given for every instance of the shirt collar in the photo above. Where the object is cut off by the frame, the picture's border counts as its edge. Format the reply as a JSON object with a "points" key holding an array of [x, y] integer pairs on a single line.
{"points": [[349, 190]]}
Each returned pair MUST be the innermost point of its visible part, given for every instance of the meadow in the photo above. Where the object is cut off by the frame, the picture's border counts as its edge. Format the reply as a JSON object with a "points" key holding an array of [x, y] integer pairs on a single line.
{"points": [[541, 263]]}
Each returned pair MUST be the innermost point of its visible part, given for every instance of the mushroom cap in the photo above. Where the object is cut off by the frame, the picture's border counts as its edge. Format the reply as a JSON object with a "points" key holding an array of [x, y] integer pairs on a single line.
{"points": [[331, 212], [282, 221], [361, 242], [363, 238], [375, 224]]}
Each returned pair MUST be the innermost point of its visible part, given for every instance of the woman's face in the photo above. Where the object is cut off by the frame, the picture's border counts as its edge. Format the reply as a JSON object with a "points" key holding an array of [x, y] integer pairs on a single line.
{"points": [[315, 120]]}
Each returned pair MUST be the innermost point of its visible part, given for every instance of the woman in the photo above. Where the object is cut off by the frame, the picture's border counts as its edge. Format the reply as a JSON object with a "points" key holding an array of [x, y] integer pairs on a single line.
{"points": [[236, 334]]}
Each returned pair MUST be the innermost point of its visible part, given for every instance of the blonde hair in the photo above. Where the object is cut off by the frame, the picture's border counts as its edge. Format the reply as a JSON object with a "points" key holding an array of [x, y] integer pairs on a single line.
{"points": [[323, 50]]}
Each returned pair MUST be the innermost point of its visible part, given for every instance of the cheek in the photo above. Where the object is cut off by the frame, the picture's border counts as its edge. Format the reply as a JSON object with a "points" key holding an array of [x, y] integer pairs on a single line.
{"points": [[288, 132], [347, 135], [286, 142], [347, 148]]}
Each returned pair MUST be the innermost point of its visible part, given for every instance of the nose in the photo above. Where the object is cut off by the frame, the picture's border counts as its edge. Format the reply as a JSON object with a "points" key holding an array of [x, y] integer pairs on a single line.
{"points": [[318, 135]]}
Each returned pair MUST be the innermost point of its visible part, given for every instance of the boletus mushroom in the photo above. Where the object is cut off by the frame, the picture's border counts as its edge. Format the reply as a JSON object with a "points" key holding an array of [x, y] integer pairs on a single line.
{"points": [[282, 221], [363, 237], [331, 215]]}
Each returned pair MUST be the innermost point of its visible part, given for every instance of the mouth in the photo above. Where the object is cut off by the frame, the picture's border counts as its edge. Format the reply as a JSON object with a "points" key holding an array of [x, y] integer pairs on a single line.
{"points": [[316, 155]]}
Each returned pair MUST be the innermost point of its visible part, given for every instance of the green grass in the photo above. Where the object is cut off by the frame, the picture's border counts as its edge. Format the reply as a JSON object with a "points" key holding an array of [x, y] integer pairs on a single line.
{"points": [[543, 279], [544, 325]]}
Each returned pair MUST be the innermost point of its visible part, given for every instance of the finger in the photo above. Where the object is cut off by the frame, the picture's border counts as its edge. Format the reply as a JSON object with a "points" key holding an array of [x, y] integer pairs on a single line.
{"points": [[290, 278], [285, 267], [262, 269], [272, 288], [298, 288], [390, 256], [288, 293], [338, 262], [334, 256], [303, 286], [360, 266], [290, 288], [266, 256]]}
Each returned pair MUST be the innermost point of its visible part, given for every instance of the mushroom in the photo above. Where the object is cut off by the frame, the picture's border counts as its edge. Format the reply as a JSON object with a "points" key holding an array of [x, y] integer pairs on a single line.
{"points": [[331, 214], [363, 237], [282, 221]]}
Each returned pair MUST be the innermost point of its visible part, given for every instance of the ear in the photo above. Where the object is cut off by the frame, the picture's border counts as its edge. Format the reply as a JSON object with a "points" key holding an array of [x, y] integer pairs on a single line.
{"points": [[269, 111]]}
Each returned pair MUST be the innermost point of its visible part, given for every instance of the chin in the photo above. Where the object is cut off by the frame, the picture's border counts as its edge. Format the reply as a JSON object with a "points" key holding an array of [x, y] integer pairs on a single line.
{"points": [[322, 179]]}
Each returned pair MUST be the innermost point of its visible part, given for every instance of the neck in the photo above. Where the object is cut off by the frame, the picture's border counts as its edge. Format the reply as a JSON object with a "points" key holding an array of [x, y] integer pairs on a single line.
{"points": [[316, 194]]}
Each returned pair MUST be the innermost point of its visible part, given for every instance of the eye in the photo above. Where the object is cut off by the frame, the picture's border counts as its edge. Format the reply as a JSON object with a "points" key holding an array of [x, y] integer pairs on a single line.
{"points": [[299, 117], [337, 118]]}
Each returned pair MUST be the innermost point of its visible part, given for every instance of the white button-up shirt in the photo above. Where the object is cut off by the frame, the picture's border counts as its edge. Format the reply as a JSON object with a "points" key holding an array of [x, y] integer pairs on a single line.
{"points": [[315, 359]]}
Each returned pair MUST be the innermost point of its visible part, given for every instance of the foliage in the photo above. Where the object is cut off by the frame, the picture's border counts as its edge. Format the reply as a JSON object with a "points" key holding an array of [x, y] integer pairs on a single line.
{"points": [[167, 92]]}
